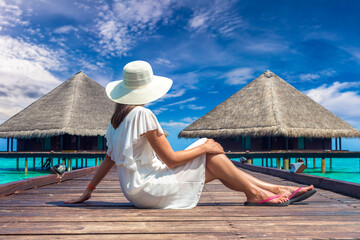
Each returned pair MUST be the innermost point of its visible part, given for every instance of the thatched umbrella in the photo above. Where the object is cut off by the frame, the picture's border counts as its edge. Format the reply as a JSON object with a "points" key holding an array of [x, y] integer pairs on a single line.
{"points": [[269, 106], [78, 106]]}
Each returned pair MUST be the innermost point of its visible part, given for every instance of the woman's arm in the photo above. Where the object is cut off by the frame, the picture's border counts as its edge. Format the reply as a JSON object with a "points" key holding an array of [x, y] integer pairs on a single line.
{"points": [[102, 171], [173, 159]]}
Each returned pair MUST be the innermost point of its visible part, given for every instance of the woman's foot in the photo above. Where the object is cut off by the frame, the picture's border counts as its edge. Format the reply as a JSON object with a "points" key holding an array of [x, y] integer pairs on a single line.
{"points": [[288, 191], [257, 195]]}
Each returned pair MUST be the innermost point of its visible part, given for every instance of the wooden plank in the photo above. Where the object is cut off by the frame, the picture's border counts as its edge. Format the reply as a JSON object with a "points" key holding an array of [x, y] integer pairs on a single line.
{"points": [[40, 213], [149, 236], [13, 187]]}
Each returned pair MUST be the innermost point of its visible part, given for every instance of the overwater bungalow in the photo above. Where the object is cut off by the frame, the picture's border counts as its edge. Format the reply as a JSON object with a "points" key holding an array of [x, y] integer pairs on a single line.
{"points": [[73, 116], [270, 114]]}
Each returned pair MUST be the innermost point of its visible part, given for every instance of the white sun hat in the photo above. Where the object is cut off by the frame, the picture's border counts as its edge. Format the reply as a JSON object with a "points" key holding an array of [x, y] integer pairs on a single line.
{"points": [[139, 85]]}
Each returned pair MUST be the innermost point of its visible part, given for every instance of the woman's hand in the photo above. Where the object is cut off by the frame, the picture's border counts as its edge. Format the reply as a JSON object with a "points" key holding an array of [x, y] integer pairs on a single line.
{"points": [[86, 195], [213, 147]]}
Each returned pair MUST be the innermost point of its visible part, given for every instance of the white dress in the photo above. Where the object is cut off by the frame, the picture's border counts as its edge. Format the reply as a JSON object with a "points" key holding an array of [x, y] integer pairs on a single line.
{"points": [[145, 180]]}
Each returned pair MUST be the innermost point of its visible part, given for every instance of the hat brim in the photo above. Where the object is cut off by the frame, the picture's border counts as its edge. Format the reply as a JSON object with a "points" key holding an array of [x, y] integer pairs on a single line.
{"points": [[157, 88]]}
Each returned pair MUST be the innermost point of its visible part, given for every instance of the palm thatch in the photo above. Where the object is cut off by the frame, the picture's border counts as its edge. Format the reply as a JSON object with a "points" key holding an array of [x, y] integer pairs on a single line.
{"points": [[269, 106], [79, 106]]}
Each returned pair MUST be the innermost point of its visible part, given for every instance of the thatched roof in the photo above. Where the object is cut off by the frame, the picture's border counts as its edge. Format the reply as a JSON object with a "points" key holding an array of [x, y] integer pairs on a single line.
{"points": [[79, 106], [269, 106]]}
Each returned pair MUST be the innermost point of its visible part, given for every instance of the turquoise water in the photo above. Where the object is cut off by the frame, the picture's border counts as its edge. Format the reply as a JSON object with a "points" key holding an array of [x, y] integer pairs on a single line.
{"points": [[345, 169], [8, 172]]}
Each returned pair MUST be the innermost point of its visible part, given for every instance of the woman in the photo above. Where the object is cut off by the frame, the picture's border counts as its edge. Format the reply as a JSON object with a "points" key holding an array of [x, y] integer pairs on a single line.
{"points": [[151, 174]]}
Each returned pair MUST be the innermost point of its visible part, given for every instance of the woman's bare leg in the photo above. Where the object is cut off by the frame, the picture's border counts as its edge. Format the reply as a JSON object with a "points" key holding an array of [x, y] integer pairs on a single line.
{"points": [[218, 167], [276, 189]]}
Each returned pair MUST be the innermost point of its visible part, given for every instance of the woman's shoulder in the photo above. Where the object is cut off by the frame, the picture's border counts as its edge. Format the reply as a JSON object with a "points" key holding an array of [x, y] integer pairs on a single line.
{"points": [[144, 110]]}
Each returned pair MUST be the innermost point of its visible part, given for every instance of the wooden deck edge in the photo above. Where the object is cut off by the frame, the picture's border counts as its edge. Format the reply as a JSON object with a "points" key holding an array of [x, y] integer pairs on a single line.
{"points": [[21, 185], [338, 186]]}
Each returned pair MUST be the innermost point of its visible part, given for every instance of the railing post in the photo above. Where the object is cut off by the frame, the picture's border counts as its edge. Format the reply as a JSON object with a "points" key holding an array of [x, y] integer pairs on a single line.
{"points": [[314, 163], [330, 163], [323, 165], [286, 163], [26, 165], [278, 163]]}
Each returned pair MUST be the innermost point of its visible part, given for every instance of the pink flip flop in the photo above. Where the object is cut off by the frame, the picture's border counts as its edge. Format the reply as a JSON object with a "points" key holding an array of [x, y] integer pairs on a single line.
{"points": [[302, 197], [266, 202]]}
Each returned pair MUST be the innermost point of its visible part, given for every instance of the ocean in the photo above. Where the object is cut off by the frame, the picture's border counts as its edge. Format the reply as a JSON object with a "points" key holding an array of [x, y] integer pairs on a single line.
{"points": [[8, 172], [346, 169]]}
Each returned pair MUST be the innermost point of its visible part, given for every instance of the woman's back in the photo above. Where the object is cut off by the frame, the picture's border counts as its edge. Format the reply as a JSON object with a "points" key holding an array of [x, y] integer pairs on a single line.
{"points": [[145, 180]]}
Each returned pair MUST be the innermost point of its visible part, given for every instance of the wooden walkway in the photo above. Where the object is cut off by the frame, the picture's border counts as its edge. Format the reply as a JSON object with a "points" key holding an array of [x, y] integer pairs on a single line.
{"points": [[40, 214]]}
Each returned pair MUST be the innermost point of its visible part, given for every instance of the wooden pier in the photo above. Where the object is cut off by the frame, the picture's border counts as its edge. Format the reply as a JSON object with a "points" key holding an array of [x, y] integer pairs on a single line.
{"points": [[40, 213]]}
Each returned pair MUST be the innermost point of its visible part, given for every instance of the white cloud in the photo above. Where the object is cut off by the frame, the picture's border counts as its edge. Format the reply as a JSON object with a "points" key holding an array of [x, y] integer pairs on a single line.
{"points": [[10, 14], [189, 119], [65, 29], [180, 124], [345, 104], [309, 76], [238, 76], [218, 17], [266, 46], [163, 62], [181, 102], [122, 23], [160, 110], [25, 74], [194, 107], [174, 94], [316, 75], [174, 124]]}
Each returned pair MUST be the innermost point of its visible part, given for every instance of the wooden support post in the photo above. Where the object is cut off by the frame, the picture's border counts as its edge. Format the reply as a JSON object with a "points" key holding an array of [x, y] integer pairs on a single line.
{"points": [[330, 163], [82, 163], [314, 164], [70, 164], [262, 162], [323, 165], [286, 164], [51, 162], [34, 163], [12, 144], [26, 165], [7, 145], [96, 162], [249, 161], [278, 163], [58, 160], [85, 162], [64, 161], [77, 163], [271, 162], [306, 162], [17, 163]]}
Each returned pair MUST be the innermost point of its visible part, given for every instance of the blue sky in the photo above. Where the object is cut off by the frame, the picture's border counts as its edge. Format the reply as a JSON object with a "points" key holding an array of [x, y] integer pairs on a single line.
{"points": [[211, 49]]}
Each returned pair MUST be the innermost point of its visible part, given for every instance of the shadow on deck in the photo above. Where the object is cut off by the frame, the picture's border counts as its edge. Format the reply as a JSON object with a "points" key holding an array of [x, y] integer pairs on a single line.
{"points": [[40, 214]]}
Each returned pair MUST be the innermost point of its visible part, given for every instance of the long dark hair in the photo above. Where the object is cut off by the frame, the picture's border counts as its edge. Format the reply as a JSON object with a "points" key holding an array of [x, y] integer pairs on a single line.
{"points": [[121, 111]]}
